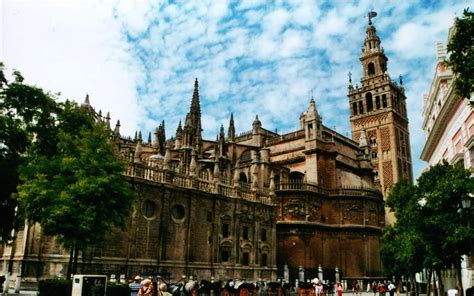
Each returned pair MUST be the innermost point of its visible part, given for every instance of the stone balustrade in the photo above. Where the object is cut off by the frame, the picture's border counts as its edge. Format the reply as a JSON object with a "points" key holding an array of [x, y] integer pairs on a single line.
{"points": [[158, 175], [344, 190], [264, 195]]}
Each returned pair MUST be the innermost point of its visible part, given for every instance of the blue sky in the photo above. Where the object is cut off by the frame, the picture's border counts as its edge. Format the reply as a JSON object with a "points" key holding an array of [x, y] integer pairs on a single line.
{"points": [[139, 59]]}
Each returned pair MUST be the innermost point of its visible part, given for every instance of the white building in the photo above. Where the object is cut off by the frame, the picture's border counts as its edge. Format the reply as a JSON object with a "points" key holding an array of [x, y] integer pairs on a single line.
{"points": [[448, 122]]}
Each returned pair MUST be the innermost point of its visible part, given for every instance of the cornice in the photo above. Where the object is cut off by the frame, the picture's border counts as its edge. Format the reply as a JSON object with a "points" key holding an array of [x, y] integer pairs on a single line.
{"points": [[439, 124], [433, 94]]}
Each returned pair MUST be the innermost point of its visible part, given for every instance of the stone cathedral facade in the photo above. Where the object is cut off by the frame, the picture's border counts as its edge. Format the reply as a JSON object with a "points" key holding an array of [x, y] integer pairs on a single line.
{"points": [[255, 205]]}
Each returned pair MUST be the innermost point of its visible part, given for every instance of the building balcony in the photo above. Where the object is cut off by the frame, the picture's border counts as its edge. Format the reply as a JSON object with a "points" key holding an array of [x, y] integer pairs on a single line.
{"points": [[157, 175], [340, 191]]}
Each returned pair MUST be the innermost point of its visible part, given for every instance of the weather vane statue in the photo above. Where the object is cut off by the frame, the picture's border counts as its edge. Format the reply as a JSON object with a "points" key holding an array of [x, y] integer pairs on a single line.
{"points": [[371, 15]]}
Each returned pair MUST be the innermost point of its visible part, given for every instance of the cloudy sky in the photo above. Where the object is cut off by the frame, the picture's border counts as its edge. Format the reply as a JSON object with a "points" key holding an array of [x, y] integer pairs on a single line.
{"points": [[138, 59]]}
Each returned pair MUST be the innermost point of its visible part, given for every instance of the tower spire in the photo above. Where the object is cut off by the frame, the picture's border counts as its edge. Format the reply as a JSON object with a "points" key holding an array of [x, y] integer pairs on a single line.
{"points": [[373, 58], [231, 130], [193, 123], [195, 104], [378, 113]]}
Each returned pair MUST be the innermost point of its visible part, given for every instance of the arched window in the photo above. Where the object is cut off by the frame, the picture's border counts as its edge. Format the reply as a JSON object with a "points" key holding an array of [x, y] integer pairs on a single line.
{"points": [[245, 156], [276, 179], [242, 178], [384, 101], [373, 141], [296, 177], [368, 102], [371, 69], [204, 174]]}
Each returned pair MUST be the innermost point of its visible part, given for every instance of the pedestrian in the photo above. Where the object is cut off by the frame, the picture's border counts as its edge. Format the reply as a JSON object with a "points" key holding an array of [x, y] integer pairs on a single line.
{"points": [[358, 288], [338, 288], [319, 289], [374, 288], [382, 288], [355, 286], [163, 290], [391, 288], [146, 289], [135, 286]]}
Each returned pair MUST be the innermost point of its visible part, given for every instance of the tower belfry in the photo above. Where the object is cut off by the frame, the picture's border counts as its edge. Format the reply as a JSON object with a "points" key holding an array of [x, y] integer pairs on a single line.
{"points": [[378, 108]]}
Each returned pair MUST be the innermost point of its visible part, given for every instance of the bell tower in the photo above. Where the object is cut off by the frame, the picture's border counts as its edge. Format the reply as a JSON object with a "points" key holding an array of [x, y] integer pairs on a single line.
{"points": [[378, 108]]}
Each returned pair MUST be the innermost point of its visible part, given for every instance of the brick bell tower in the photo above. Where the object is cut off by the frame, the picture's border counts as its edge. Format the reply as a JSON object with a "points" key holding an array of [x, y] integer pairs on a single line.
{"points": [[378, 113]]}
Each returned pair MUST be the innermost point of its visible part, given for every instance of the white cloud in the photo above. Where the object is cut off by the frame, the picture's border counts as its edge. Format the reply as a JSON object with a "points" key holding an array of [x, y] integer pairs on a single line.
{"points": [[256, 58], [292, 43], [58, 48]]}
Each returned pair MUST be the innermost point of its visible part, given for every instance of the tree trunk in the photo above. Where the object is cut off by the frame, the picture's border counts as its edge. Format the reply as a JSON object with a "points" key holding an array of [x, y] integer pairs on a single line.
{"points": [[69, 265], [457, 268], [76, 253], [428, 286], [413, 284], [440, 283]]}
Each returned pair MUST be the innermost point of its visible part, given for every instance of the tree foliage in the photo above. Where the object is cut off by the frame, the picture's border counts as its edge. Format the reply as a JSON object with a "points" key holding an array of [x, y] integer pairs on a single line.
{"points": [[79, 193], [27, 127], [461, 49], [431, 230], [401, 246], [59, 165], [442, 189]]}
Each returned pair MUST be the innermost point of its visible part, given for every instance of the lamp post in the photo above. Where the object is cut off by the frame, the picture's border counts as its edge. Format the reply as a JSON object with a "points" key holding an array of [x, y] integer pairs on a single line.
{"points": [[466, 205]]}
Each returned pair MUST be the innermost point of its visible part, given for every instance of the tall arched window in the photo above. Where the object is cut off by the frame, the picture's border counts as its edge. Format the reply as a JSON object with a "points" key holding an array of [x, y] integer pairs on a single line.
{"points": [[242, 178], [368, 102], [296, 177], [276, 179], [371, 68]]}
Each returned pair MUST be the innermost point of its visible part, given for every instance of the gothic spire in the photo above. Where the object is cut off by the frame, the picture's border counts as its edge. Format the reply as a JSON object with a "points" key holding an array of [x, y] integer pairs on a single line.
{"points": [[179, 130], [221, 134], [156, 139], [86, 101], [107, 121], [231, 130], [179, 136], [192, 128], [117, 129], [195, 104]]}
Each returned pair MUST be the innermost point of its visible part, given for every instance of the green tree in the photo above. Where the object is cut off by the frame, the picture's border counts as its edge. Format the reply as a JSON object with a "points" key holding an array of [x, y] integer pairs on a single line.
{"points": [[402, 244], [430, 231], [461, 49], [26, 113], [79, 193], [447, 234]]}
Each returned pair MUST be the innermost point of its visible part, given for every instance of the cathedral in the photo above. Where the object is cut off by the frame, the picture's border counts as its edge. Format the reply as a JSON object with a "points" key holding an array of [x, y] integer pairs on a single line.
{"points": [[254, 205]]}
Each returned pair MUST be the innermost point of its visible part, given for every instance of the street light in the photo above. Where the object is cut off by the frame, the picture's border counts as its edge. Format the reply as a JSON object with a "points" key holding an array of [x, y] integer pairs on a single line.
{"points": [[466, 203]]}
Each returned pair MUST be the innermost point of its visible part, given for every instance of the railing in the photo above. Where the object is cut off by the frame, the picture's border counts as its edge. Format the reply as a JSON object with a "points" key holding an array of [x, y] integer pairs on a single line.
{"points": [[286, 137], [344, 190], [158, 175]]}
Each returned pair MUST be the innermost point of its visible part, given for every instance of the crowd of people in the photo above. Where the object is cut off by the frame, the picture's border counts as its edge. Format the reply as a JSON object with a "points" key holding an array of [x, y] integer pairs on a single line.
{"points": [[147, 287], [382, 287]]}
